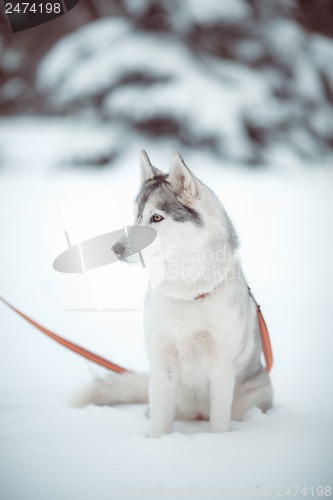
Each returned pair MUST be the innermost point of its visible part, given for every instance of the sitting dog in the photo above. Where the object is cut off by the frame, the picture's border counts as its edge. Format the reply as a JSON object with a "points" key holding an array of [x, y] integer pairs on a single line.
{"points": [[201, 324]]}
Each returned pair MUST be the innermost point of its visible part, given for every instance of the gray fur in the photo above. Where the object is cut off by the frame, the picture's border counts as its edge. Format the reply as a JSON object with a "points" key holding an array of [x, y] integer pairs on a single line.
{"points": [[148, 171], [168, 201]]}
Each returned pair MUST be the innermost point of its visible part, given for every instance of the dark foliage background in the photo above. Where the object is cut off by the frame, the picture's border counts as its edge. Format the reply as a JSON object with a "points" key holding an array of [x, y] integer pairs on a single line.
{"points": [[284, 45]]}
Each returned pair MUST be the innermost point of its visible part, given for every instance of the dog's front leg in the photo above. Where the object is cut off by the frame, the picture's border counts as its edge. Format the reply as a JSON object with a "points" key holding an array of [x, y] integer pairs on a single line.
{"points": [[162, 401], [221, 390]]}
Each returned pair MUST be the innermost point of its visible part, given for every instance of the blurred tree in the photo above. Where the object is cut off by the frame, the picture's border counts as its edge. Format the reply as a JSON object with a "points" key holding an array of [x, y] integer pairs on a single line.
{"points": [[238, 77]]}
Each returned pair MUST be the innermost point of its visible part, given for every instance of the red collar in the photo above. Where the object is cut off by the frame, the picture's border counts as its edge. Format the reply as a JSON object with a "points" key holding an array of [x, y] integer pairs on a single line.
{"points": [[201, 295]]}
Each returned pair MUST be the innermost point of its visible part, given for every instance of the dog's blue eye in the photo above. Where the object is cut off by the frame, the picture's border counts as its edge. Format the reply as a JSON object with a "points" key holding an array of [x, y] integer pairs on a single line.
{"points": [[156, 218]]}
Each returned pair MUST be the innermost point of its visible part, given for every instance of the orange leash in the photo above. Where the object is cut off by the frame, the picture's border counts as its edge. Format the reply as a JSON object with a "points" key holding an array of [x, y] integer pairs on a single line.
{"points": [[70, 345], [265, 341]]}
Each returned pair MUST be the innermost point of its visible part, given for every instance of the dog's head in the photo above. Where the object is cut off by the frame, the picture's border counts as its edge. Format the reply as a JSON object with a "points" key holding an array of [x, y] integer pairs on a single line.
{"points": [[168, 201], [185, 213]]}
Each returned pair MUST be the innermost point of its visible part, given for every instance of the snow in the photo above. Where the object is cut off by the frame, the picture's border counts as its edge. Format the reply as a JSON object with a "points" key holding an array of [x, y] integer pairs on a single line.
{"points": [[134, 79], [96, 38], [112, 71], [322, 50], [285, 40], [215, 10], [50, 450], [179, 82], [60, 142]]}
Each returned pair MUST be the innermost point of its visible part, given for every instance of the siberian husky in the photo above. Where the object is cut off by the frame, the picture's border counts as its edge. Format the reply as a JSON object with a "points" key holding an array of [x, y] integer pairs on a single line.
{"points": [[201, 326]]}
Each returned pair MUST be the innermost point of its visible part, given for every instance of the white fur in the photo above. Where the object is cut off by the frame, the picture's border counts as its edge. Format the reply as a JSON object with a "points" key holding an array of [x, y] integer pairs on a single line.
{"points": [[204, 353]]}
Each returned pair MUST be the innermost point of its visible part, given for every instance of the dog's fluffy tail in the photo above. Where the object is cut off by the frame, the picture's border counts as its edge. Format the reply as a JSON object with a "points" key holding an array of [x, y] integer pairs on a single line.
{"points": [[127, 388]]}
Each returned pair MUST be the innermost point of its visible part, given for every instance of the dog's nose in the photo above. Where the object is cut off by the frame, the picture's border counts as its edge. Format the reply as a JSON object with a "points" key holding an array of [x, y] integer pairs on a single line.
{"points": [[119, 249]]}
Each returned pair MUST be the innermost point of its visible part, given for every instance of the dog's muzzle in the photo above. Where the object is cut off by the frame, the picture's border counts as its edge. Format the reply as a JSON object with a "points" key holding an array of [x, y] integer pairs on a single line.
{"points": [[119, 249], [135, 239]]}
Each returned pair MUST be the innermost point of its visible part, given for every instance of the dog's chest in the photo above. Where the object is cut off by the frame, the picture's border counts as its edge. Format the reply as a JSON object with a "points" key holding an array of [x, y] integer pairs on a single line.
{"points": [[190, 334]]}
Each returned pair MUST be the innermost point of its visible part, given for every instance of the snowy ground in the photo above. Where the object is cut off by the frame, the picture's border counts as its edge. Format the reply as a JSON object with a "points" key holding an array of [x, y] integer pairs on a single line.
{"points": [[50, 450]]}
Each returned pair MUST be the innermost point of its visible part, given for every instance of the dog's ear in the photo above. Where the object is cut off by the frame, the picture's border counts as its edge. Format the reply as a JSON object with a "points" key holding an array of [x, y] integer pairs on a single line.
{"points": [[182, 180], [148, 171]]}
